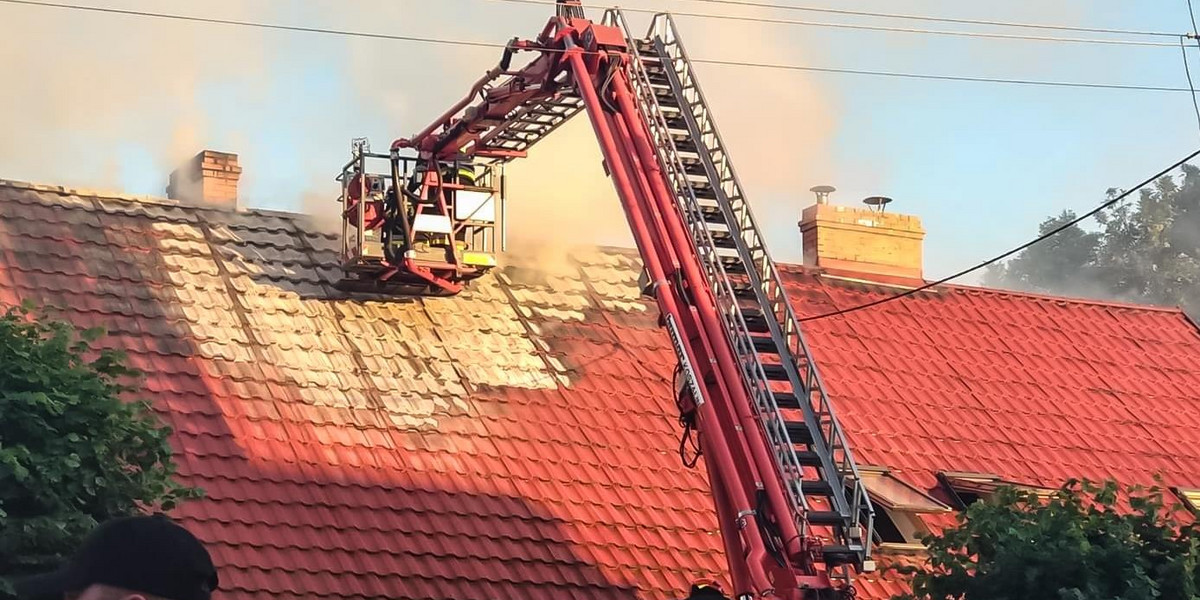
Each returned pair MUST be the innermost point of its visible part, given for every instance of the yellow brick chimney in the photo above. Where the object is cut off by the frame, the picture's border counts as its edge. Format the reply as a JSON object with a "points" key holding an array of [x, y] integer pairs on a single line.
{"points": [[209, 178], [863, 243]]}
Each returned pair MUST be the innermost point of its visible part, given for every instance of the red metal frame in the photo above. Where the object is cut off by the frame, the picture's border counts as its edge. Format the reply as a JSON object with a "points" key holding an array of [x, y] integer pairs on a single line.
{"points": [[441, 268], [739, 462]]}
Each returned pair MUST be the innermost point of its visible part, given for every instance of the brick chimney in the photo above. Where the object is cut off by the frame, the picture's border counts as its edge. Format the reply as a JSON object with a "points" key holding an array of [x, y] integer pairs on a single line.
{"points": [[863, 243], [209, 178]]}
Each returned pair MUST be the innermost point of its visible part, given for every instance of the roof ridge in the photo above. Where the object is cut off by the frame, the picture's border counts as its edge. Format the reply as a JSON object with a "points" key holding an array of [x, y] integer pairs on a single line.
{"points": [[604, 248], [961, 287], [968, 288], [97, 193], [141, 198]]}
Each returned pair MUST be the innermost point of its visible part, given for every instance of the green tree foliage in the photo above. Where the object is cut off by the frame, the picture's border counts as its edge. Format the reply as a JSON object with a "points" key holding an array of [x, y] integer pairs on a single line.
{"points": [[1145, 251], [1075, 545], [72, 452], [1064, 261]]}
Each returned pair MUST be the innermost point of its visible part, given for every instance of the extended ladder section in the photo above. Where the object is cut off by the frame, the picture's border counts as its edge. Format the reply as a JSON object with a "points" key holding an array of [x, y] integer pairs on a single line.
{"points": [[527, 125], [811, 451]]}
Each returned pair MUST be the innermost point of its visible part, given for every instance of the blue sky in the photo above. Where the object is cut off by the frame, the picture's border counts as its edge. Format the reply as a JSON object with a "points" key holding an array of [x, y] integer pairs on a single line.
{"points": [[115, 102]]}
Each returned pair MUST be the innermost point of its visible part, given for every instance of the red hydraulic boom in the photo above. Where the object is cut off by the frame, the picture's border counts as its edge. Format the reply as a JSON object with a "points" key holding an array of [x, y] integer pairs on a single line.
{"points": [[795, 519]]}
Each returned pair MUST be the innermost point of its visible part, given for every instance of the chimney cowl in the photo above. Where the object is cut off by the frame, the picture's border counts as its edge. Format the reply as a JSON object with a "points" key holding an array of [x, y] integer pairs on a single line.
{"points": [[864, 243], [210, 179], [822, 192], [877, 203]]}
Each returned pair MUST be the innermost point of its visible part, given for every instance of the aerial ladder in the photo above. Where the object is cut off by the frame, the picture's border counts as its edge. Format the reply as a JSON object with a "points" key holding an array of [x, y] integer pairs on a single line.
{"points": [[795, 518]]}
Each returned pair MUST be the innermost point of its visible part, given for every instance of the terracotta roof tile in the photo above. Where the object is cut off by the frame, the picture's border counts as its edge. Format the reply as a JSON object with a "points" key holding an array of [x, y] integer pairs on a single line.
{"points": [[519, 440]]}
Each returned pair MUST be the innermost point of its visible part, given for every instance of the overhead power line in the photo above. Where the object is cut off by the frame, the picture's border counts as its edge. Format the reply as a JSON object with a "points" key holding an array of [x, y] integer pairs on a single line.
{"points": [[276, 26], [1187, 69], [1037, 240], [483, 44], [884, 15], [903, 75], [1192, 15], [880, 28]]}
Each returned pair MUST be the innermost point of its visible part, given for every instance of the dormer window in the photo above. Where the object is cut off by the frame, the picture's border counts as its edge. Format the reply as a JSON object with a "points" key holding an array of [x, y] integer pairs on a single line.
{"points": [[964, 489], [1190, 497], [898, 508]]}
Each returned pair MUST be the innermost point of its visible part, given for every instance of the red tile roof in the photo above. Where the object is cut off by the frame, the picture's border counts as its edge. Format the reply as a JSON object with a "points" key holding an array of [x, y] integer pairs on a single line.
{"points": [[519, 440]]}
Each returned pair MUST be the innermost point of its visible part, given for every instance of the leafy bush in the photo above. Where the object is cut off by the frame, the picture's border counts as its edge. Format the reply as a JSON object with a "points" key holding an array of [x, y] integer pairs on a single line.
{"points": [[1078, 544], [72, 451]]}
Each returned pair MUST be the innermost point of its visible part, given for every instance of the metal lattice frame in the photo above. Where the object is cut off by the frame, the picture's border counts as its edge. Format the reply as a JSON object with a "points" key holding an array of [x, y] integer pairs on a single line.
{"points": [[829, 441]]}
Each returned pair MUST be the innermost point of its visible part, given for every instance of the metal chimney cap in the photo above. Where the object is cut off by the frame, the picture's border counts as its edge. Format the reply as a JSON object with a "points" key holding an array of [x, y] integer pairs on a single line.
{"points": [[877, 202], [822, 192]]}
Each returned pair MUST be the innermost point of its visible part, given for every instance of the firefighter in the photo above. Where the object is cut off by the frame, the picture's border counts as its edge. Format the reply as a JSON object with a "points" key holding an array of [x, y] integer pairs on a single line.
{"points": [[463, 175]]}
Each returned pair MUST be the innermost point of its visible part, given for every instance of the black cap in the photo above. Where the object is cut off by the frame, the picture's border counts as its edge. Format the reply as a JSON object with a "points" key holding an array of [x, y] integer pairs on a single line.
{"points": [[706, 590], [148, 554]]}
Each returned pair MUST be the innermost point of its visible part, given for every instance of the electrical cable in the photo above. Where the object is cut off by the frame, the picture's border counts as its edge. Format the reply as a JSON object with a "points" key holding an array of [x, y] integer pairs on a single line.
{"points": [[904, 75], [1040, 238], [1188, 71], [881, 28], [768, 529], [472, 43], [992, 23], [254, 24], [1192, 15], [688, 422], [1183, 49]]}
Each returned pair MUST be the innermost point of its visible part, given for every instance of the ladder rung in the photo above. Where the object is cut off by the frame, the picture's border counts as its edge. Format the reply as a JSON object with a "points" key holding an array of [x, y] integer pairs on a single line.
{"points": [[756, 322], [775, 372], [712, 214], [786, 400], [816, 488], [765, 344], [798, 432], [704, 190], [723, 239], [667, 103], [825, 517], [808, 458], [836, 555], [733, 264], [687, 145]]}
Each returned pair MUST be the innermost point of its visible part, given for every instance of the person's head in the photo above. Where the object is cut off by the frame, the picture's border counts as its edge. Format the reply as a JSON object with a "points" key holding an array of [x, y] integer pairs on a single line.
{"points": [[706, 590], [133, 558]]}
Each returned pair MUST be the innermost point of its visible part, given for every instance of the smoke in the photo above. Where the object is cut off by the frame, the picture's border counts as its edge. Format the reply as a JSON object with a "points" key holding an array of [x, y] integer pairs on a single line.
{"points": [[559, 199], [123, 101], [777, 126], [324, 211], [90, 98]]}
